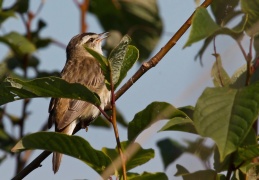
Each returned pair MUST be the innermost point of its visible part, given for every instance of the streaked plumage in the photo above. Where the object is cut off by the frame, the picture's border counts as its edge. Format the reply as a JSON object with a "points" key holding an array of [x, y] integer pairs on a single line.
{"points": [[80, 67]]}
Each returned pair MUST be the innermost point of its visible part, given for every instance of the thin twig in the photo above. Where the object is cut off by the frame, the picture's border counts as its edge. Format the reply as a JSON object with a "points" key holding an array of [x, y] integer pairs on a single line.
{"points": [[248, 62], [157, 58]]}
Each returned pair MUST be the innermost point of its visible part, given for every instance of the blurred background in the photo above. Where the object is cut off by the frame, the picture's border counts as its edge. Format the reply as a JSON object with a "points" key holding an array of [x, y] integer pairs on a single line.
{"points": [[178, 79]]}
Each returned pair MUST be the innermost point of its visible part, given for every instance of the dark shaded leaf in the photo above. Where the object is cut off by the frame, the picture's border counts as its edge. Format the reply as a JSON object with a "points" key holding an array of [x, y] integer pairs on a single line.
{"points": [[181, 170], [21, 6], [16, 89], [222, 9], [203, 174], [170, 150], [226, 115], [74, 146], [151, 114], [6, 141]]}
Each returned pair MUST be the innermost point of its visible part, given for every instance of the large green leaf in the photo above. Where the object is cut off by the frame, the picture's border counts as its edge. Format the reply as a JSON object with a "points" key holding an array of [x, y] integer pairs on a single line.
{"points": [[151, 114], [5, 15], [141, 157], [179, 124], [203, 26], [18, 43], [226, 115], [251, 8], [147, 176], [117, 57], [74, 146], [16, 89], [140, 19]]}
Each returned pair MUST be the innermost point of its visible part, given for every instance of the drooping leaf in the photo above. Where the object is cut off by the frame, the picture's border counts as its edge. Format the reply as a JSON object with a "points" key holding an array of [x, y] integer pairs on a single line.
{"points": [[181, 170], [140, 19], [141, 157], [202, 26], [203, 174], [226, 115], [74, 146], [151, 114], [251, 8], [147, 176], [131, 57], [18, 43], [117, 57], [170, 150], [218, 73], [16, 89]]}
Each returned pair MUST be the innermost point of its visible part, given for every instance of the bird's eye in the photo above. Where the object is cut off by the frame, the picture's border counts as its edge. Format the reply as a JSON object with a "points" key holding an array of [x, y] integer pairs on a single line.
{"points": [[91, 40]]}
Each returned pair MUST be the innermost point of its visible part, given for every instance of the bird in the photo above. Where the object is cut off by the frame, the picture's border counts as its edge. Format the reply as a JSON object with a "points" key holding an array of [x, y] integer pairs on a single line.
{"points": [[80, 67]]}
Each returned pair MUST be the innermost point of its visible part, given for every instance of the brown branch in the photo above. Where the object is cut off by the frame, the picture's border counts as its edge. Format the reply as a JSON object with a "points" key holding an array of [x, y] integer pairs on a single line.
{"points": [[83, 7], [157, 58], [144, 68]]}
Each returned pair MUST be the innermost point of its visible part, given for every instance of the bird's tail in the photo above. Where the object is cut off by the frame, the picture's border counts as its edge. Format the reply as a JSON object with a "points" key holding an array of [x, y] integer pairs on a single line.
{"points": [[56, 159]]}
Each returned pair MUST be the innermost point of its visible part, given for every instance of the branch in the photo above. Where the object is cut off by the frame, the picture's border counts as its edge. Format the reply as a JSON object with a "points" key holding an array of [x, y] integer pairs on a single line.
{"points": [[158, 57]]}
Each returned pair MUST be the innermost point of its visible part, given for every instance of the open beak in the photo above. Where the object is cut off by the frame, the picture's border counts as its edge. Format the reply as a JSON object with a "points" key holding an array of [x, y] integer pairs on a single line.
{"points": [[103, 36]]}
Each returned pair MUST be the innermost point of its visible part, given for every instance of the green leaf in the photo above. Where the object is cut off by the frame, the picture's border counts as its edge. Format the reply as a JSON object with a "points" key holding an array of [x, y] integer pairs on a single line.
{"points": [[224, 10], [204, 174], [226, 115], [117, 57], [18, 43], [147, 176], [247, 153], [170, 150], [129, 60], [104, 64], [251, 8], [5, 15], [238, 79], [21, 6], [181, 170], [203, 26], [74, 146], [218, 73], [6, 141], [138, 18], [16, 89], [151, 114], [179, 124], [141, 157]]}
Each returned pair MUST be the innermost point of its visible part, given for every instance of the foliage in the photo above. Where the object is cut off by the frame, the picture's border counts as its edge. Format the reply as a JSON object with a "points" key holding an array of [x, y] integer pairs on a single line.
{"points": [[226, 113]]}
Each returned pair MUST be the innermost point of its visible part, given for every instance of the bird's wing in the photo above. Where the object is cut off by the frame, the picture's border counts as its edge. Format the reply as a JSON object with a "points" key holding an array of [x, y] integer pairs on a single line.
{"points": [[86, 72]]}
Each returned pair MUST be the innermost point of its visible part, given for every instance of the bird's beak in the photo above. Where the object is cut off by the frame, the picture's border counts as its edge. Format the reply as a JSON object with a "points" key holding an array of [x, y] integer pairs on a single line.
{"points": [[103, 36]]}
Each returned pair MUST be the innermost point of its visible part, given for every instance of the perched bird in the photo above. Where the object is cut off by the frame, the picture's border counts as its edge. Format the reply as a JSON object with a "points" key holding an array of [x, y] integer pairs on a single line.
{"points": [[81, 67]]}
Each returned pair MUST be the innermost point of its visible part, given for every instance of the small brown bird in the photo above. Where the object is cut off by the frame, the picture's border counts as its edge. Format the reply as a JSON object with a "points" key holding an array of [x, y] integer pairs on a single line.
{"points": [[81, 67]]}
